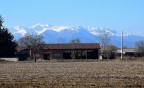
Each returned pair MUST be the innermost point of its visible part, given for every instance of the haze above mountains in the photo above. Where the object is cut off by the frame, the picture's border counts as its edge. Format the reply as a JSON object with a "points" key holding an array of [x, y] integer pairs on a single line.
{"points": [[64, 34]]}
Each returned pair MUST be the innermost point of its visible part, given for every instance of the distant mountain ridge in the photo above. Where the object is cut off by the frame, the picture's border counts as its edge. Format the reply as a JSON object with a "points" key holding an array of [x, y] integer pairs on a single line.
{"points": [[63, 34]]}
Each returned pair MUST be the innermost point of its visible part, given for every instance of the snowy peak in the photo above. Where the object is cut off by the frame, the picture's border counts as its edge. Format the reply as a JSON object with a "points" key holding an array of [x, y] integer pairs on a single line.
{"points": [[61, 28], [63, 34], [40, 26], [19, 30]]}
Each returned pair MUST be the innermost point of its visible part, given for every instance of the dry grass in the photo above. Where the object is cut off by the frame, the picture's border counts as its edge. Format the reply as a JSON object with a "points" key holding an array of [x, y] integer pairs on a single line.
{"points": [[72, 74]]}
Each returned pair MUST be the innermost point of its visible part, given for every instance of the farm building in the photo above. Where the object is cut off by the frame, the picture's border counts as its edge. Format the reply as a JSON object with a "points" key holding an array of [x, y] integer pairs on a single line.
{"points": [[128, 51], [65, 51], [23, 53]]}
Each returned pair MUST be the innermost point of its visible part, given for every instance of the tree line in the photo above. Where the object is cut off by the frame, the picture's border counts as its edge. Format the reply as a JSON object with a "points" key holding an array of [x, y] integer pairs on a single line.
{"points": [[8, 46], [7, 43]]}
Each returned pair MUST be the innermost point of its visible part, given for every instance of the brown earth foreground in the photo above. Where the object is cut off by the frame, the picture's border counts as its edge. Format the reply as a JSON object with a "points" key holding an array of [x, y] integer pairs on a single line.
{"points": [[111, 74]]}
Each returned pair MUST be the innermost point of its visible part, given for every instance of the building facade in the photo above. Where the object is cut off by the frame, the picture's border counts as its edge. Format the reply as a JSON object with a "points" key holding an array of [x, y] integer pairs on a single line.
{"points": [[68, 51]]}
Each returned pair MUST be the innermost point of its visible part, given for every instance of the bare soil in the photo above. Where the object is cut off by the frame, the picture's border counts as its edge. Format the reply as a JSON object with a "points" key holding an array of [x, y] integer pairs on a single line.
{"points": [[101, 74]]}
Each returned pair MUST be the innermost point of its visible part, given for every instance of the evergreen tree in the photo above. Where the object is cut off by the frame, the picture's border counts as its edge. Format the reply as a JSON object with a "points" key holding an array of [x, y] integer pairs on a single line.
{"points": [[7, 43]]}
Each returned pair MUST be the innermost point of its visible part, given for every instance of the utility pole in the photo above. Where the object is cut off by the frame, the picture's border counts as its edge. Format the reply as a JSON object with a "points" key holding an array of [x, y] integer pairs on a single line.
{"points": [[122, 46]]}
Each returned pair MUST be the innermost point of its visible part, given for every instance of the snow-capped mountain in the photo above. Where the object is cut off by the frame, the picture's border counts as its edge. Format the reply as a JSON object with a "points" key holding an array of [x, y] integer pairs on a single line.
{"points": [[63, 34]]}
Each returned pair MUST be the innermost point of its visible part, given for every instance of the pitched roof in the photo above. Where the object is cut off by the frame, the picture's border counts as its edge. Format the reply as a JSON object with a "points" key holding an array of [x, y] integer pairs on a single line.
{"points": [[129, 50], [72, 46], [20, 48]]}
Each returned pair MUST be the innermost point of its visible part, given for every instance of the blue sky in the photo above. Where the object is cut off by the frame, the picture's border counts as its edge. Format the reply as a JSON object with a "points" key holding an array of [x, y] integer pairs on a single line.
{"points": [[127, 15]]}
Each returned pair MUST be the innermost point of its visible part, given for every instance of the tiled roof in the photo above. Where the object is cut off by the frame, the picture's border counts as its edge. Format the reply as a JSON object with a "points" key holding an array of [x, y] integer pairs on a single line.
{"points": [[19, 48], [72, 46], [129, 50]]}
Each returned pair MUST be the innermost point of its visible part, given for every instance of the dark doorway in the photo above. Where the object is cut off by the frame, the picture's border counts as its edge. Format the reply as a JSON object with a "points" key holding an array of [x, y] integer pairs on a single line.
{"points": [[67, 55], [93, 54], [46, 56]]}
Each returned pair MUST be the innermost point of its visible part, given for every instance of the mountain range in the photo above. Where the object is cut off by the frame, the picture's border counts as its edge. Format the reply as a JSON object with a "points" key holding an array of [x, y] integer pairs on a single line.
{"points": [[64, 34]]}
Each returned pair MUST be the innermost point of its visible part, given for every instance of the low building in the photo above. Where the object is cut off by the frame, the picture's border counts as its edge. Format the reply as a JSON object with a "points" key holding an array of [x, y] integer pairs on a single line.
{"points": [[23, 53], [127, 51], [68, 51]]}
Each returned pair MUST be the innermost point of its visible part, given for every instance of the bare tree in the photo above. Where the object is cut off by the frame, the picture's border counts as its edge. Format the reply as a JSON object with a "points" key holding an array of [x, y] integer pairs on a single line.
{"points": [[140, 47], [105, 37], [111, 49], [76, 40], [32, 42]]}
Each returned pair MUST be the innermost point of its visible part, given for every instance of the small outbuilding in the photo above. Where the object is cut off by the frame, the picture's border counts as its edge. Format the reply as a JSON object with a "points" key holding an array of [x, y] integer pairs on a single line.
{"points": [[128, 52]]}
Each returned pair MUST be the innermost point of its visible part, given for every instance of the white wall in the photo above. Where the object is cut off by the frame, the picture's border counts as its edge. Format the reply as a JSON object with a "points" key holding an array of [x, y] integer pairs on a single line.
{"points": [[9, 59]]}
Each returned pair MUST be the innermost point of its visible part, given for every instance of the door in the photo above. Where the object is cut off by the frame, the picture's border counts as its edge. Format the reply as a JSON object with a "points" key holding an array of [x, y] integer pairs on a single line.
{"points": [[46, 56]]}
